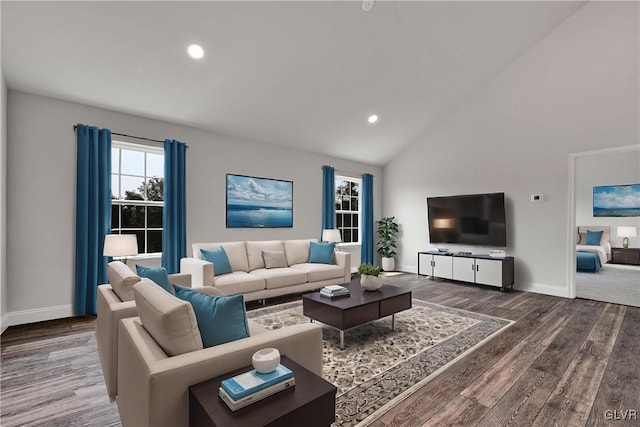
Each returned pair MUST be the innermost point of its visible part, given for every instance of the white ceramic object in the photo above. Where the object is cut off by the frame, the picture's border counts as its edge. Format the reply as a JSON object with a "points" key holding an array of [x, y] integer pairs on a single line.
{"points": [[370, 283], [388, 264], [266, 360]]}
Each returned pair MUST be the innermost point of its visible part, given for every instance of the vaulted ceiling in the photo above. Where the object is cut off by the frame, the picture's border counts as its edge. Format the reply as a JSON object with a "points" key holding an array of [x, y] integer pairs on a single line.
{"points": [[300, 74]]}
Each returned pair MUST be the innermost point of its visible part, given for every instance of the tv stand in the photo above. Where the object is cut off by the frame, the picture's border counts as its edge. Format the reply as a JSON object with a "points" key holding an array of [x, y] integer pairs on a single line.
{"points": [[470, 268]]}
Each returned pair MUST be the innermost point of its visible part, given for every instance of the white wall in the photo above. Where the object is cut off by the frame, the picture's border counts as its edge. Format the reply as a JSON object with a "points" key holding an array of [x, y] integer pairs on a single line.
{"points": [[41, 194], [3, 203], [577, 90], [606, 169]]}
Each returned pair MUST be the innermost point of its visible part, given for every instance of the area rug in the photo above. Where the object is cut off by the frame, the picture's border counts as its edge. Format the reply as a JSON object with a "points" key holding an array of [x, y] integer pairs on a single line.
{"points": [[379, 367]]}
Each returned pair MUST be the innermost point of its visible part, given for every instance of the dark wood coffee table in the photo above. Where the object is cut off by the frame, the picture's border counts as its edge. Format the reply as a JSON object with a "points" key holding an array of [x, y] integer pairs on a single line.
{"points": [[358, 308], [311, 403]]}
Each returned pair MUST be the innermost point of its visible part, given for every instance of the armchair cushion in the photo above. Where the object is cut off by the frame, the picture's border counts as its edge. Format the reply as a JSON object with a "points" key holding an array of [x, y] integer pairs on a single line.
{"points": [[218, 257], [158, 275], [122, 279], [220, 319], [169, 320]]}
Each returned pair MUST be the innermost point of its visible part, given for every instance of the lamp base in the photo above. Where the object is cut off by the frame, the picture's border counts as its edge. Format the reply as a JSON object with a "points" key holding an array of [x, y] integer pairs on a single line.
{"points": [[625, 242]]}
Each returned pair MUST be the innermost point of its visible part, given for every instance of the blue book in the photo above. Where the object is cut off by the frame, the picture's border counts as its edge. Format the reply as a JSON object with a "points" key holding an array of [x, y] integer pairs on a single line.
{"points": [[245, 384]]}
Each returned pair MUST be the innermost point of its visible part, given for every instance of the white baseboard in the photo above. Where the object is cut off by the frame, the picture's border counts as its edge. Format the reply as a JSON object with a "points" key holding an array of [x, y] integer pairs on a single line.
{"points": [[37, 315], [407, 268], [540, 288], [4, 323]]}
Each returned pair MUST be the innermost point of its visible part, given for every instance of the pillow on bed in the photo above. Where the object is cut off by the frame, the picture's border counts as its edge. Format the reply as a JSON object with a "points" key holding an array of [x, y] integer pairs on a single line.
{"points": [[593, 237]]}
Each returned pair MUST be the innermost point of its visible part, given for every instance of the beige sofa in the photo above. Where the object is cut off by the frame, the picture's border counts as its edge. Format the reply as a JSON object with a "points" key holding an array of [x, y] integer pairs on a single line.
{"points": [[250, 276], [154, 386], [116, 302]]}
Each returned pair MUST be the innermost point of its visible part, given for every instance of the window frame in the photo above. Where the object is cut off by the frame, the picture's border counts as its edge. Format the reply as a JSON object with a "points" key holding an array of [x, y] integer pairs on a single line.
{"points": [[146, 149], [358, 181]]}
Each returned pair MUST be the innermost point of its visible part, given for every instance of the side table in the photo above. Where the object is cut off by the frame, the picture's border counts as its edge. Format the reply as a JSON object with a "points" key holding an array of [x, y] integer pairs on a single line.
{"points": [[625, 256], [311, 403]]}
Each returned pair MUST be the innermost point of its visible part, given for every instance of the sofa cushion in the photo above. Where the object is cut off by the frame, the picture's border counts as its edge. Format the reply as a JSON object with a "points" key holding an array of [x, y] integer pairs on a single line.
{"points": [[218, 257], [319, 272], [158, 275], [122, 279], [239, 282], [281, 277], [297, 251], [321, 253], [236, 251], [169, 320], [274, 259], [254, 252], [221, 319]]}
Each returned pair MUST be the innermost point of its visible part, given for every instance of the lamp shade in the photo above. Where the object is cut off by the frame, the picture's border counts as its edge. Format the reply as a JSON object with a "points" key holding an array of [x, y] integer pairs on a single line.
{"points": [[120, 245], [627, 231], [331, 235]]}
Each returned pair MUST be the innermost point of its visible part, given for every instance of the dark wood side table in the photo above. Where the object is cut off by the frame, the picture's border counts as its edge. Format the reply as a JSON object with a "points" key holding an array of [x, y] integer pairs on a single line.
{"points": [[311, 403], [625, 256]]}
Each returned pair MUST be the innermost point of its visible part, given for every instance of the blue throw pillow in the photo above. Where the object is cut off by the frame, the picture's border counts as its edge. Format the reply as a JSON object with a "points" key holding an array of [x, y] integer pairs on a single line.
{"points": [[158, 275], [593, 237], [322, 253], [220, 260], [220, 319]]}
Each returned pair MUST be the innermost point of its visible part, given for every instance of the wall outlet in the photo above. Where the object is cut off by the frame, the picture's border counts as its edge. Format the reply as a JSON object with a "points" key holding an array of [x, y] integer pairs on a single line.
{"points": [[537, 197]]}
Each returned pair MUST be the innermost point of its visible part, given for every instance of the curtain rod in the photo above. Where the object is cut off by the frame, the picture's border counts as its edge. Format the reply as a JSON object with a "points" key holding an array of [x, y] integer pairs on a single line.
{"points": [[353, 174], [131, 136]]}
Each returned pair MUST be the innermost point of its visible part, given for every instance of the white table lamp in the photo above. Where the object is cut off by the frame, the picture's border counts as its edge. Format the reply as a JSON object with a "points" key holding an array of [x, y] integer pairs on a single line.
{"points": [[120, 245], [626, 232], [331, 235]]}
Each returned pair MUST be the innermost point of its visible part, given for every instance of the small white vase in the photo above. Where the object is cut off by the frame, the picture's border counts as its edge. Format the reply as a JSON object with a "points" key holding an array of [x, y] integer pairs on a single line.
{"points": [[388, 264], [266, 360], [370, 283]]}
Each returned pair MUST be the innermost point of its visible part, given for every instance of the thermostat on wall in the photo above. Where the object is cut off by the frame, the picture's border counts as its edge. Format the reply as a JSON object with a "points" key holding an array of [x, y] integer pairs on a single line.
{"points": [[537, 197]]}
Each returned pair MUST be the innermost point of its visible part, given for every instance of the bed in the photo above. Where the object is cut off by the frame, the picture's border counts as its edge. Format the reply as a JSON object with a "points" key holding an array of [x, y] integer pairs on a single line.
{"points": [[590, 258]]}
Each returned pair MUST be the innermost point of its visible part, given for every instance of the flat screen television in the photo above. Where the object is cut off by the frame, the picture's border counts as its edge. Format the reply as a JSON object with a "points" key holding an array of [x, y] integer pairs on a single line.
{"points": [[471, 219]]}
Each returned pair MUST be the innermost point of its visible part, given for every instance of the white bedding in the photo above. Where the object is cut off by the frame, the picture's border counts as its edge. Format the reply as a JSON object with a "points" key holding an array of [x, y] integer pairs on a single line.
{"points": [[604, 252]]}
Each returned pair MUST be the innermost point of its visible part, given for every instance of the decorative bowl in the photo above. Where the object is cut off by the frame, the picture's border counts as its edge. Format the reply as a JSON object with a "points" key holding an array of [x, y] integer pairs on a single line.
{"points": [[370, 283], [266, 360]]}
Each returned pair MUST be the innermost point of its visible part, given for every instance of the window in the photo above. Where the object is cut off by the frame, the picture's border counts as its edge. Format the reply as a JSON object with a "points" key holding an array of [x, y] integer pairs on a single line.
{"points": [[137, 178], [348, 208]]}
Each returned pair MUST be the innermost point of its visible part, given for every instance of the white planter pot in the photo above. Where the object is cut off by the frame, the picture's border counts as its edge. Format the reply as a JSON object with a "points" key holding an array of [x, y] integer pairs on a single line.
{"points": [[388, 264], [370, 283]]}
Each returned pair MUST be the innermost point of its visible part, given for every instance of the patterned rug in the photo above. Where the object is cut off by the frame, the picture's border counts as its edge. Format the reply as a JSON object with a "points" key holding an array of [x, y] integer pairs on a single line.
{"points": [[379, 367]]}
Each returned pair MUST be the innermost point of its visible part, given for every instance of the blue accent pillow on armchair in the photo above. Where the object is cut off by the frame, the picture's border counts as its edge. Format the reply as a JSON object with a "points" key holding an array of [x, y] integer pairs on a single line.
{"points": [[593, 237], [158, 275], [219, 258], [321, 253], [220, 319]]}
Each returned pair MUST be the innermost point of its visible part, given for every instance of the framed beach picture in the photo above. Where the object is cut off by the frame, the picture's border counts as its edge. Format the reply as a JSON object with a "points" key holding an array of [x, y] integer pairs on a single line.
{"points": [[616, 200], [254, 202]]}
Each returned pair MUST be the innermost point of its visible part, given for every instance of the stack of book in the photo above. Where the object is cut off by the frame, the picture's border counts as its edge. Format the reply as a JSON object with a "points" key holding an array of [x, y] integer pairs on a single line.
{"points": [[334, 291], [250, 387]]}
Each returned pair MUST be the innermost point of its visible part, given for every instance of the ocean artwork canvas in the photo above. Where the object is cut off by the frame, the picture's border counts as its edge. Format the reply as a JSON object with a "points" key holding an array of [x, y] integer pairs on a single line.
{"points": [[259, 202], [616, 200]]}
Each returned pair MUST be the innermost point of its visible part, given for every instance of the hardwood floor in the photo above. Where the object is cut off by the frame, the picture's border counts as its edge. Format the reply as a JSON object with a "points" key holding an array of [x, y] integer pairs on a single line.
{"points": [[563, 363]]}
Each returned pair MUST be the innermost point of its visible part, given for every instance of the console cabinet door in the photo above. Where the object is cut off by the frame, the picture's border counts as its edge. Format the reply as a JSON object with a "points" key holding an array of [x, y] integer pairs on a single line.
{"points": [[443, 266], [489, 272], [464, 269], [424, 264]]}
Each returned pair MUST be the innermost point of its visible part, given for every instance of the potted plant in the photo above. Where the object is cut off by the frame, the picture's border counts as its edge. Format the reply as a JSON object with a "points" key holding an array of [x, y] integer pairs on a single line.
{"points": [[370, 278], [387, 231]]}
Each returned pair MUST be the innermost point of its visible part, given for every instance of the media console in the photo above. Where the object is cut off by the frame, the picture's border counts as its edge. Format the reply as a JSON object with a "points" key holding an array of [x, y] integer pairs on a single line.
{"points": [[479, 269]]}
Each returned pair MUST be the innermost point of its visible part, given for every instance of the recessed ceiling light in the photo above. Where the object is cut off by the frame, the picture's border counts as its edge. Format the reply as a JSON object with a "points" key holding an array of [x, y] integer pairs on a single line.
{"points": [[367, 5], [195, 51], [372, 119]]}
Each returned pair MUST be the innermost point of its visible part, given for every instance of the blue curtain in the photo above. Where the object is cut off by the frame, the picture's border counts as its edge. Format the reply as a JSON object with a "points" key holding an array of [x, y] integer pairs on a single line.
{"points": [[366, 251], [328, 197], [174, 214], [93, 214]]}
